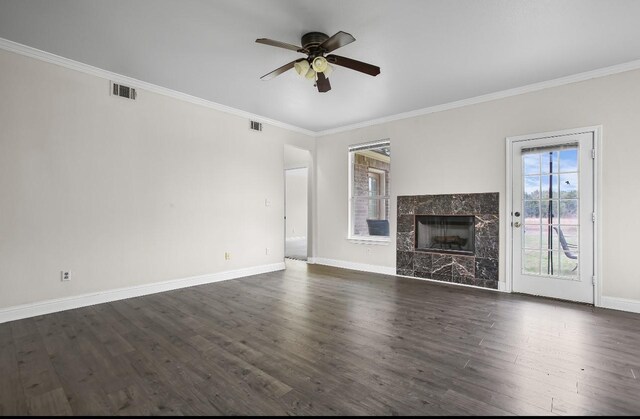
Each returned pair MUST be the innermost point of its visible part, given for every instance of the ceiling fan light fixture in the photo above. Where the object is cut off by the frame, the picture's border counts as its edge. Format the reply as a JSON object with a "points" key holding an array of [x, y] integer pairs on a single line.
{"points": [[311, 74], [320, 64], [302, 67], [328, 70]]}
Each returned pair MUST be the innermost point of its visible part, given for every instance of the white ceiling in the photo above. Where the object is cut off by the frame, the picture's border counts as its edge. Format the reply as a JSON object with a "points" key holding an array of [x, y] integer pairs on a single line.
{"points": [[430, 51]]}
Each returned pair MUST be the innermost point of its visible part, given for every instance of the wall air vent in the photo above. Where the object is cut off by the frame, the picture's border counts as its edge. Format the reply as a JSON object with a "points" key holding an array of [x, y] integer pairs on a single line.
{"points": [[123, 91], [256, 126]]}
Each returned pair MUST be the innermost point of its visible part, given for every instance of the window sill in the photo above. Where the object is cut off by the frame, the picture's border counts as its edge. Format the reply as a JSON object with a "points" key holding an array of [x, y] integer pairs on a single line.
{"points": [[378, 241]]}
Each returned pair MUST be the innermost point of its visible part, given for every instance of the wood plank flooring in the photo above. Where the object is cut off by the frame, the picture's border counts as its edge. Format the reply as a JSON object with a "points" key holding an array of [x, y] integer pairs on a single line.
{"points": [[323, 341]]}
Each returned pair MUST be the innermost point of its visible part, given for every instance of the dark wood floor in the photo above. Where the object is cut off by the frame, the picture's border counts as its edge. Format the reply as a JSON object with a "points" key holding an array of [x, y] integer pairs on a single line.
{"points": [[323, 341]]}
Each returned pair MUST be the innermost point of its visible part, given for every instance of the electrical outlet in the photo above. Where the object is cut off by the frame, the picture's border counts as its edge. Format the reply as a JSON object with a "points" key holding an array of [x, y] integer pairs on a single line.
{"points": [[65, 276], [267, 203], [227, 255], [266, 251]]}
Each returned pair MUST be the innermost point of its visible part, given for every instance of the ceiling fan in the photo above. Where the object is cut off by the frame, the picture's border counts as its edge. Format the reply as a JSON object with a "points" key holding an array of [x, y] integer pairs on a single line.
{"points": [[317, 66]]}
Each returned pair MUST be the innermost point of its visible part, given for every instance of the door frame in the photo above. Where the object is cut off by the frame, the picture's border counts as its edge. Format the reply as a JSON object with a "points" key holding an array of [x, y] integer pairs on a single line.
{"points": [[597, 202]]}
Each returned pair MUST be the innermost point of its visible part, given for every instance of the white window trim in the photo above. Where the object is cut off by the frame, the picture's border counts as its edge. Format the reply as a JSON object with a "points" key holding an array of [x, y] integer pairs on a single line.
{"points": [[370, 240], [367, 240]]}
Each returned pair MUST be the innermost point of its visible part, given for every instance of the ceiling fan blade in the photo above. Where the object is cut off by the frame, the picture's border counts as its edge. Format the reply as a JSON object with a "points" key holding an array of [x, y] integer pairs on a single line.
{"points": [[279, 44], [323, 83], [356, 65], [279, 71], [338, 40]]}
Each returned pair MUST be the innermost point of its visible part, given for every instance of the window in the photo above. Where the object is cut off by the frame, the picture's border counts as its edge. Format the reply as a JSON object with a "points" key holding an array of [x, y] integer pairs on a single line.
{"points": [[376, 183], [369, 166]]}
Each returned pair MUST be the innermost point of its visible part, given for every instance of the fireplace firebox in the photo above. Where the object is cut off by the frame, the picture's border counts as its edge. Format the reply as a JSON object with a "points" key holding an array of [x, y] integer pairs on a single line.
{"points": [[445, 234]]}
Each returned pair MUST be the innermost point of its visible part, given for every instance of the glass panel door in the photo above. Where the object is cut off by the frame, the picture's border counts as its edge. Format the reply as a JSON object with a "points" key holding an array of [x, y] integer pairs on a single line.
{"points": [[552, 223], [550, 198]]}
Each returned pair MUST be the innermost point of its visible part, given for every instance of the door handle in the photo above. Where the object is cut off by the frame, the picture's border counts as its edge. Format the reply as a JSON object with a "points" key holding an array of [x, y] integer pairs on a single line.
{"points": [[517, 224]]}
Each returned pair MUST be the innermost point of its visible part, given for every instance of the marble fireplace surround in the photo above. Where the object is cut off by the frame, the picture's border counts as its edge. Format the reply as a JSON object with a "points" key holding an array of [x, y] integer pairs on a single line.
{"points": [[480, 269]]}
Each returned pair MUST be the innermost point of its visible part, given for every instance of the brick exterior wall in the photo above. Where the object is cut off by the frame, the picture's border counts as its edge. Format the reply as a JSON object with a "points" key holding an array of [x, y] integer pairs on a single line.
{"points": [[361, 165]]}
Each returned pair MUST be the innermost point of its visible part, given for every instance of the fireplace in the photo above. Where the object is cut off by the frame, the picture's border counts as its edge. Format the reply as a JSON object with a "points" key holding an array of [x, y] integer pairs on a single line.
{"points": [[451, 238], [445, 234]]}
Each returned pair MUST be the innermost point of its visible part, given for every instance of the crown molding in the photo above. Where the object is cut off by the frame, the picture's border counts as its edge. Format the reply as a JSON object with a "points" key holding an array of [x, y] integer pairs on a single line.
{"points": [[48, 57], [588, 75], [25, 50]]}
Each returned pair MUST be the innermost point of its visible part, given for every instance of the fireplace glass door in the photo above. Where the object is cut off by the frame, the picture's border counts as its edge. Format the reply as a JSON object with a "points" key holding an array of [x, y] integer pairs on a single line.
{"points": [[445, 234]]}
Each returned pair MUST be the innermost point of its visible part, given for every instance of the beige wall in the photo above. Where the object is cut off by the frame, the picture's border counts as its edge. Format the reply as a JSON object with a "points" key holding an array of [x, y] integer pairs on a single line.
{"points": [[127, 193], [131, 193], [463, 150]]}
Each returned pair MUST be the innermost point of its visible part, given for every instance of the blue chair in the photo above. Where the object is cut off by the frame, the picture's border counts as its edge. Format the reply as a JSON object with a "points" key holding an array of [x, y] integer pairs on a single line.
{"points": [[378, 227]]}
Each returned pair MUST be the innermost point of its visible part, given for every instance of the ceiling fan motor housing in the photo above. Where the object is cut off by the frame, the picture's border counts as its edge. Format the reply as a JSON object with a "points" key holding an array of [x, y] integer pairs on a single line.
{"points": [[311, 42]]}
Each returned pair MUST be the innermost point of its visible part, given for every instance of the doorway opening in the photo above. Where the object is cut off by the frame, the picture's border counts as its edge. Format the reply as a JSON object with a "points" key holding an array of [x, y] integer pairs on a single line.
{"points": [[296, 217]]}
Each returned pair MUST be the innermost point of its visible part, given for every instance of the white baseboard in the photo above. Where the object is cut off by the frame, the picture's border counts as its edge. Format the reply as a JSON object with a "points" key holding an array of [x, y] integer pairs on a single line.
{"points": [[621, 304], [502, 286], [61, 304], [354, 266]]}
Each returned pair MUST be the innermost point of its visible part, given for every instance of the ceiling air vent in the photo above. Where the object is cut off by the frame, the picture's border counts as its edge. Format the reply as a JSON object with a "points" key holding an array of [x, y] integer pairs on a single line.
{"points": [[256, 126], [123, 91]]}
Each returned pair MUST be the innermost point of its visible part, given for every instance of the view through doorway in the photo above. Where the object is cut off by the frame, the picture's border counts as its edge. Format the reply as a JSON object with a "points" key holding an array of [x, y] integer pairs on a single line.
{"points": [[296, 203]]}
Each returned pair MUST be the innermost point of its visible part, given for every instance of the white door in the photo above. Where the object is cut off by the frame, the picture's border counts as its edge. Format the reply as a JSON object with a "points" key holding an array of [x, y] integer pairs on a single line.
{"points": [[552, 218]]}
